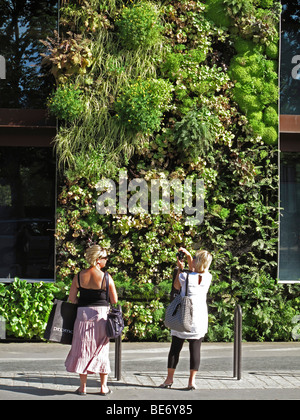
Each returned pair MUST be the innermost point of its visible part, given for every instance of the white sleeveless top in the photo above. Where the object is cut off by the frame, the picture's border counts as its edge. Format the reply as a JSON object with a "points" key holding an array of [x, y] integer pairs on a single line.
{"points": [[198, 293]]}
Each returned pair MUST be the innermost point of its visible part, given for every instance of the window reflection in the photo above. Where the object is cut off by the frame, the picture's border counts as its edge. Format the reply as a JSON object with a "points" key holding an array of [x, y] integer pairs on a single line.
{"points": [[289, 267], [27, 212], [22, 24], [290, 58]]}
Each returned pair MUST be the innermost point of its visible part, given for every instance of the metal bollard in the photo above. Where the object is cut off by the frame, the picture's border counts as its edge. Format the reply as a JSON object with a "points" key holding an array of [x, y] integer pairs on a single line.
{"points": [[2, 328], [118, 361], [237, 348]]}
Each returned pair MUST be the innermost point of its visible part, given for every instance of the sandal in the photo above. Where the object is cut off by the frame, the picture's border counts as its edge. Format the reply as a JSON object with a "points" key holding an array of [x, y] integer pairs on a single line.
{"points": [[191, 387], [79, 392], [106, 393], [167, 386]]}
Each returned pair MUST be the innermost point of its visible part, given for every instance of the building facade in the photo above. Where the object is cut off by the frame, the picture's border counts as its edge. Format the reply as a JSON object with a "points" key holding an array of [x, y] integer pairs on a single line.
{"points": [[289, 144], [27, 161]]}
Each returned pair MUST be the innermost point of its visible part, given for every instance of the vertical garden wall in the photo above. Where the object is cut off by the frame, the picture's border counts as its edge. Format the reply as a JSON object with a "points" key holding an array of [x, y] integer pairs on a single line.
{"points": [[172, 90]]}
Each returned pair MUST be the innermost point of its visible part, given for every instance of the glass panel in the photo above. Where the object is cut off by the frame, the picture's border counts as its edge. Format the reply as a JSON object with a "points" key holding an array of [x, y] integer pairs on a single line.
{"points": [[289, 261], [27, 212], [22, 24], [290, 58]]}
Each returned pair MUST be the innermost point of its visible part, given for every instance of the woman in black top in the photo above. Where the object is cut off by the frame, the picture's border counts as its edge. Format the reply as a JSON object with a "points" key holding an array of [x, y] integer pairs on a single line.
{"points": [[90, 346]]}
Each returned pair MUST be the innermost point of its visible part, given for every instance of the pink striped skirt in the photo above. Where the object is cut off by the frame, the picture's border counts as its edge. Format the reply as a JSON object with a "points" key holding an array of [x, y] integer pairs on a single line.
{"points": [[90, 346]]}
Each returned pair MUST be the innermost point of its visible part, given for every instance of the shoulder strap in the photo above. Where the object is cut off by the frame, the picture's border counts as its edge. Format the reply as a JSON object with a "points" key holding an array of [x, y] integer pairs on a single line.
{"points": [[107, 285], [187, 284], [78, 279]]}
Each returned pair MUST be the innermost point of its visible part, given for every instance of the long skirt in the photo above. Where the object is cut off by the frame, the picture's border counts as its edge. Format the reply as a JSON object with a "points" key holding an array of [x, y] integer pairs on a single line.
{"points": [[90, 346]]}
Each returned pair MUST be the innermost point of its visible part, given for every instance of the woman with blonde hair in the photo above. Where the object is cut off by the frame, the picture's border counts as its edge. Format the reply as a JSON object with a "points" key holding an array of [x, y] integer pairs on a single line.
{"points": [[90, 346], [198, 285]]}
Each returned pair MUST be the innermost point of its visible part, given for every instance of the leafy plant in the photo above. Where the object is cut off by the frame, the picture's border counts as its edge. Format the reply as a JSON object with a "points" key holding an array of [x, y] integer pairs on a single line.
{"points": [[67, 103], [26, 307], [139, 25], [141, 104], [256, 90], [195, 133], [68, 57]]}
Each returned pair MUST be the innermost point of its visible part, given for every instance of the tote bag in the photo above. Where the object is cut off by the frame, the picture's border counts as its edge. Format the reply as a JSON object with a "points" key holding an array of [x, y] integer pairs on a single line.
{"points": [[115, 322], [61, 322], [179, 313]]}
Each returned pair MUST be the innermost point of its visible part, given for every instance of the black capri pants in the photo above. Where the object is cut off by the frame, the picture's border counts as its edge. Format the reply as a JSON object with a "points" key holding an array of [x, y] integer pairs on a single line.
{"points": [[176, 346]]}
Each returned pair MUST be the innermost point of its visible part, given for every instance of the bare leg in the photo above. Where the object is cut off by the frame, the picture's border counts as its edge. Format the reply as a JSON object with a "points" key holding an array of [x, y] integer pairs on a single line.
{"points": [[169, 379], [83, 379], [170, 376], [192, 378], [103, 379]]}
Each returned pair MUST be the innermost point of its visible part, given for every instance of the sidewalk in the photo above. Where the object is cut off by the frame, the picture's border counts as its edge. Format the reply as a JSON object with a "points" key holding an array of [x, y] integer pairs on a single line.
{"points": [[269, 371]]}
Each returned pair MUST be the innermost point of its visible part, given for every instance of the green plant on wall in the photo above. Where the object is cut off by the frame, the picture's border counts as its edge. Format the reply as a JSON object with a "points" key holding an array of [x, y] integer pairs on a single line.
{"points": [[66, 103], [256, 90], [141, 104], [179, 90], [196, 132], [139, 25]]}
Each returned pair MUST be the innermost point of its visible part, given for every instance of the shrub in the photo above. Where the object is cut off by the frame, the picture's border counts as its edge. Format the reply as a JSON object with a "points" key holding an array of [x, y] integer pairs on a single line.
{"points": [[272, 50], [141, 104], [139, 25], [247, 103], [243, 46], [255, 91], [266, 4], [216, 11], [69, 57], [196, 132], [26, 307], [67, 103], [270, 135], [271, 116]]}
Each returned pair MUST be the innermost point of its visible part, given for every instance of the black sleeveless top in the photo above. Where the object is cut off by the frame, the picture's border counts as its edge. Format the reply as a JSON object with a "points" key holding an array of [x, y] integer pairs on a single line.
{"points": [[92, 297]]}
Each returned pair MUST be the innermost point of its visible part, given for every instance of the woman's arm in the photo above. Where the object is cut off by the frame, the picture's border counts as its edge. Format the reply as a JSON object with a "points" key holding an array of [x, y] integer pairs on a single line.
{"points": [[188, 257], [113, 296], [73, 290], [176, 283]]}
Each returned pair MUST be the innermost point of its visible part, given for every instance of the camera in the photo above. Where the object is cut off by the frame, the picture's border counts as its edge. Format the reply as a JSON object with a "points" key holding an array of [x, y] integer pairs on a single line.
{"points": [[180, 255]]}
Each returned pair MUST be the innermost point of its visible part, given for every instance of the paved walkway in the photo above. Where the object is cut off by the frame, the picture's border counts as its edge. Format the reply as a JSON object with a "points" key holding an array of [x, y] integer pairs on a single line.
{"points": [[269, 371]]}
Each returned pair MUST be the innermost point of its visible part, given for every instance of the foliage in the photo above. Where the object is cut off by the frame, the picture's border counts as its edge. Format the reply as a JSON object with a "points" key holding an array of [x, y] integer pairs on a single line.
{"points": [[200, 102], [216, 11], [196, 132], [26, 306], [66, 103], [139, 26], [140, 106], [68, 57], [256, 90]]}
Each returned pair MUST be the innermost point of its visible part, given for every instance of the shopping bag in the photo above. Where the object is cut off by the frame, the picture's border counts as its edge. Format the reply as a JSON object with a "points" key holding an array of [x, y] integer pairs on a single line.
{"points": [[61, 322], [115, 322], [179, 313]]}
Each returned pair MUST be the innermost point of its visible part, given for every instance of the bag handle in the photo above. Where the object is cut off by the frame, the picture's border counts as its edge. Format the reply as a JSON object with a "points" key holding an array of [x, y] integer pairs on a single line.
{"points": [[107, 286], [187, 284]]}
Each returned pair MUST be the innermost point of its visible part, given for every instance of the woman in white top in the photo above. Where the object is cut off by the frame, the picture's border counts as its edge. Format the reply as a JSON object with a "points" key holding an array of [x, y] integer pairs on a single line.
{"points": [[198, 285]]}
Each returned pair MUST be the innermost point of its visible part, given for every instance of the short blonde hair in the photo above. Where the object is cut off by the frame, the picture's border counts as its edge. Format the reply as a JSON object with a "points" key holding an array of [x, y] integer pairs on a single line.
{"points": [[93, 253], [202, 261]]}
